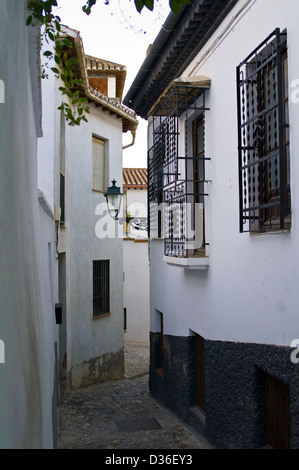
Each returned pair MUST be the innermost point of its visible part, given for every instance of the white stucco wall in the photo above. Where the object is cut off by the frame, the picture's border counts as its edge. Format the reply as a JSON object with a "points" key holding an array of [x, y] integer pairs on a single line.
{"points": [[90, 338], [249, 292], [46, 145], [136, 290], [27, 405], [136, 272], [136, 206], [90, 343]]}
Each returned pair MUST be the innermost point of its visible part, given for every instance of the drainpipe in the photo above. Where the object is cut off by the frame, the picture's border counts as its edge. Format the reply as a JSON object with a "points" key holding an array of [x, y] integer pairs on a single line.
{"points": [[133, 140]]}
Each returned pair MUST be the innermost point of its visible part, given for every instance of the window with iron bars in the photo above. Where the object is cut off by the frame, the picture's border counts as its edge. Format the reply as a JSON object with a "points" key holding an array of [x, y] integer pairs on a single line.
{"points": [[176, 164], [101, 288], [263, 130]]}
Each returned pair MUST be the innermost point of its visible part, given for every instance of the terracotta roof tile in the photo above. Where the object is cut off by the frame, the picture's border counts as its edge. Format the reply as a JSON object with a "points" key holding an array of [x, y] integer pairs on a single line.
{"points": [[135, 177], [97, 67], [82, 71]]}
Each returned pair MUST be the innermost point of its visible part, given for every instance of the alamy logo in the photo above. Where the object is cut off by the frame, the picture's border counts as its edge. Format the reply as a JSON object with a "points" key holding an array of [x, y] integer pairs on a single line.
{"points": [[2, 92], [295, 92], [295, 353], [2, 352]]}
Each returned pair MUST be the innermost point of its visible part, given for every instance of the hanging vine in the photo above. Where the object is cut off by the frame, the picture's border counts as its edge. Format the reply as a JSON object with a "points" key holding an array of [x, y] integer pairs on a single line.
{"points": [[40, 11], [75, 108]]}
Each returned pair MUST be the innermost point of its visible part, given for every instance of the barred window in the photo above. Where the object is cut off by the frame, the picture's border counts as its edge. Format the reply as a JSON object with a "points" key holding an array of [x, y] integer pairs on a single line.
{"points": [[176, 165], [264, 159], [101, 287], [62, 198]]}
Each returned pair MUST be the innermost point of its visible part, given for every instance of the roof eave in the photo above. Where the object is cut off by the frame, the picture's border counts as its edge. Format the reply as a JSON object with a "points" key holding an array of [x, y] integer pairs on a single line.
{"points": [[174, 52], [128, 116]]}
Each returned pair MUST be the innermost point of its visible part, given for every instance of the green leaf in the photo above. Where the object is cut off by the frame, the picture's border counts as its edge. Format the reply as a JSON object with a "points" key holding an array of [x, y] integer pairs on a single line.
{"points": [[51, 36], [48, 7], [175, 5], [86, 10], [67, 43], [149, 4], [41, 11], [73, 61], [139, 4]]}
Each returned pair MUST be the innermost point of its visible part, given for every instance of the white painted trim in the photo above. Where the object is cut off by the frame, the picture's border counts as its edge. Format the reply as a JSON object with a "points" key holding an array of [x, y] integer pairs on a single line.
{"points": [[188, 263]]}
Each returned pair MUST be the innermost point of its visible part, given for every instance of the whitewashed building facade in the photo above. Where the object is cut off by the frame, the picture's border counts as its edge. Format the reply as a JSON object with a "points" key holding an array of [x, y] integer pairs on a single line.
{"points": [[220, 92], [136, 259], [83, 161], [29, 389]]}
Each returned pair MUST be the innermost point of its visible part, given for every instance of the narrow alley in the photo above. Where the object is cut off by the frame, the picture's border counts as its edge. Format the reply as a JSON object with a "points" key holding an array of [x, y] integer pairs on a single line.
{"points": [[122, 414]]}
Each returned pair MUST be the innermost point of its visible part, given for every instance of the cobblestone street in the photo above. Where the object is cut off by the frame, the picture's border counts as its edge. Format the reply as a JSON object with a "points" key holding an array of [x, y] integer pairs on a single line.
{"points": [[122, 414]]}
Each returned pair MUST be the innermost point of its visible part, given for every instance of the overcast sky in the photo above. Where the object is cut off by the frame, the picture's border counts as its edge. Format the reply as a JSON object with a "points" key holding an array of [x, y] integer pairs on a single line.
{"points": [[117, 32]]}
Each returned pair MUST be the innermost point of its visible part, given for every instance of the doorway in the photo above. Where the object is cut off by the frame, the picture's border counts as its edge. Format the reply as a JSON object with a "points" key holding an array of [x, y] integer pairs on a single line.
{"points": [[278, 413]]}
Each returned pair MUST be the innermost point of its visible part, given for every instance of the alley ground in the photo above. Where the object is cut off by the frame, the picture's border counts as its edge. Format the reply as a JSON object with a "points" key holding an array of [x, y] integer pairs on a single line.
{"points": [[122, 414]]}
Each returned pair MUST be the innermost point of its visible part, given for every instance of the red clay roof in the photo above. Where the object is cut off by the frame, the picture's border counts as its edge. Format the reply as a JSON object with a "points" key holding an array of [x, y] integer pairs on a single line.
{"points": [[135, 178]]}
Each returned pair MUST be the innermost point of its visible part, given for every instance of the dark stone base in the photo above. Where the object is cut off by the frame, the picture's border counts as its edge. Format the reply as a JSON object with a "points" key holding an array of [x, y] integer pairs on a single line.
{"points": [[235, 405]]}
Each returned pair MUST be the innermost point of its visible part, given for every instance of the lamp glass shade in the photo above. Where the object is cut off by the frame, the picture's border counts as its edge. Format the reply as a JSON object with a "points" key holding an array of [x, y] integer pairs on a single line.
{"points": [[114, 198]]}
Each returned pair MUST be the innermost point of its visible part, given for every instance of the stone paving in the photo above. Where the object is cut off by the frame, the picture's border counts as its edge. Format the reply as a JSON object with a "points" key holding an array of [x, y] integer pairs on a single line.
{"points": [[122, 415]]}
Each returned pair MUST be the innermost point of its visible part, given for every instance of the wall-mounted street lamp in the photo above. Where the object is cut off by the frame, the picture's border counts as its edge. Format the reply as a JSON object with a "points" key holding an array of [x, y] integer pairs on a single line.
{"points": [[113, 198]]}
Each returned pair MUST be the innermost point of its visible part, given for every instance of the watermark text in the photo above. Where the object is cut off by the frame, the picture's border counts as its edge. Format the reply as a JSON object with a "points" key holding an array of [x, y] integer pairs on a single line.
{"points": [[179, 220], [2, 352], [295, 353], [2, 92], [295, 92]]}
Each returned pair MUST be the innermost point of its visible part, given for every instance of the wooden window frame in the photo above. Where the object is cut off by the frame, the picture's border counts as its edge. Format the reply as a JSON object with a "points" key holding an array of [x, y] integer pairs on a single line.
{"points": [[198, 180], [263, 122], [272, 218]]}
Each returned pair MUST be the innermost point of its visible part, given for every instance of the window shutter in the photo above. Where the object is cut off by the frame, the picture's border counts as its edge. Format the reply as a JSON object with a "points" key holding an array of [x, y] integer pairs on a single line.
{"points": [[98, 153]]}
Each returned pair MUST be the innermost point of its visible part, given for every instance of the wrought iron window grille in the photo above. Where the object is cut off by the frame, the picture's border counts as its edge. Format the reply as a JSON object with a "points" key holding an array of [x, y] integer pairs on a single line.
{"points": [[174, 194], [101, 288], [263, 136]]}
